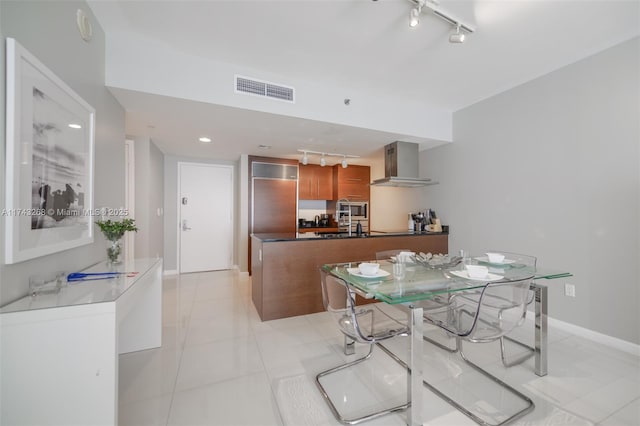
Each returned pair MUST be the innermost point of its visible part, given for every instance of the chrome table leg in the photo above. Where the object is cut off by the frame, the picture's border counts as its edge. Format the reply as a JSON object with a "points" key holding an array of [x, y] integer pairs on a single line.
{"points": [[414, 380], [539, 349], [541, 329]]}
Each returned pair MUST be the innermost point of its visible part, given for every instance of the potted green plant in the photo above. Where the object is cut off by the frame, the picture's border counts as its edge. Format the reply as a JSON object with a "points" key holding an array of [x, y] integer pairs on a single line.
{"points": [[113, 231]]}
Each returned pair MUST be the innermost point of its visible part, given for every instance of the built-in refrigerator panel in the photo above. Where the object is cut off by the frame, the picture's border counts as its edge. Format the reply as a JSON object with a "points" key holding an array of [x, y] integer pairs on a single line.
{"points": [[275, 206], [274, 199]]}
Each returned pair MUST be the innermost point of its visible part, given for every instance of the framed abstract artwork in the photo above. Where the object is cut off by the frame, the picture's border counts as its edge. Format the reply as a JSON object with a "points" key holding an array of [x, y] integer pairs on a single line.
{"points": [[49, 161]]}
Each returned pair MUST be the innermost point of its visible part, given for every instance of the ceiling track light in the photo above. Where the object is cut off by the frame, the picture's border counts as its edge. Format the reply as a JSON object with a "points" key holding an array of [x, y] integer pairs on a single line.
{"points": [[457, 37], [432, 5], [414, 16], [323, 160]]}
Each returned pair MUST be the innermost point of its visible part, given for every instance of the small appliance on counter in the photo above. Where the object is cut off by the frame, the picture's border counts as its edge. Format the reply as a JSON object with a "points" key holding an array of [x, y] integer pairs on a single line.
{"points": [[420, 221], [425, 221], [319, 221], [303, 223]]}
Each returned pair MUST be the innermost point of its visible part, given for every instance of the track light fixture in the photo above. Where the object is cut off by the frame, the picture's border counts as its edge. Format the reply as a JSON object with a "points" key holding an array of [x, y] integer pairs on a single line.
{"points": [[414, 16], [457, 37], [419, 6], [323, 160]]}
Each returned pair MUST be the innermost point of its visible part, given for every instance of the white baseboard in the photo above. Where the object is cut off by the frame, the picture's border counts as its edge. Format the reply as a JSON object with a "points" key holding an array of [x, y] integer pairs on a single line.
{"points": [[603, 339], [241, 273]]}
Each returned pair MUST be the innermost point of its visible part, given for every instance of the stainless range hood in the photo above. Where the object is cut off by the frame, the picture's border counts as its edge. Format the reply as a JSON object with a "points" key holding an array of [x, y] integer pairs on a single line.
{"points": [[401, 166]]}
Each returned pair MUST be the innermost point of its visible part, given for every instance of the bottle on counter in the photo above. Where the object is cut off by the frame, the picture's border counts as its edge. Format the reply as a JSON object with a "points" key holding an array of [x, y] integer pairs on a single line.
{"points": [[359, 229], [410, 224]]}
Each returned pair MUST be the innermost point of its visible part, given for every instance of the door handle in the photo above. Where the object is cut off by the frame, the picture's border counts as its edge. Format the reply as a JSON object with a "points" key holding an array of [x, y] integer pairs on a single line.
{"points": [[184, 226]]}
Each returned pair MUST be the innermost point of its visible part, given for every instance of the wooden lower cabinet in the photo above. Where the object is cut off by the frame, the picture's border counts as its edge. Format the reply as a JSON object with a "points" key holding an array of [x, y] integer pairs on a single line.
{"points": [[286, 274]]}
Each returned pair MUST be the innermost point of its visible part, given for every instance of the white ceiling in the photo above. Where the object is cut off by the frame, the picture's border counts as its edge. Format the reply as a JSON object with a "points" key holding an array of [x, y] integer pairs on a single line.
{"points": [[177, 124], [362, 44]]}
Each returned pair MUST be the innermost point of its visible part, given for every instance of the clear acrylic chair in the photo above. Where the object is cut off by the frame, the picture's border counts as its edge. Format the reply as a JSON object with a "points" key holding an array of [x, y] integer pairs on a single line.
{"points": [[485, 316], [368, 324], [515, 260], [518, 260], [387, 254]]}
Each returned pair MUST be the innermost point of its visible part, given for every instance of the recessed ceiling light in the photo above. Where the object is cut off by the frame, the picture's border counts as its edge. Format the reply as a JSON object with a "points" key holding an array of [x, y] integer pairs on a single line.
{"points": [[264, 146], [75, 126], [204, 139]]}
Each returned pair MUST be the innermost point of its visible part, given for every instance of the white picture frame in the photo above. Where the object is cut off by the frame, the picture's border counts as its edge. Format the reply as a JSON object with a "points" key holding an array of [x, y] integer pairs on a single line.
{"points": [[49, 161]]}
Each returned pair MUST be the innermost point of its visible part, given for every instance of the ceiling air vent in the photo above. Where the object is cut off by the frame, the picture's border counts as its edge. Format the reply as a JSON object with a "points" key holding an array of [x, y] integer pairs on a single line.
{"points": [[255, 87]]}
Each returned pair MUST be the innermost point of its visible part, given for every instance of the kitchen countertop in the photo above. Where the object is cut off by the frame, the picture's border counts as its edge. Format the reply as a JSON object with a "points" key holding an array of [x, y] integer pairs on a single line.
{"points": [[289, 236]]}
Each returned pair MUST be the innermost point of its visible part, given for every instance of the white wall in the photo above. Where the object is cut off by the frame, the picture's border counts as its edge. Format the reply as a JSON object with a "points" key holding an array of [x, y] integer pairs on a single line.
{"points": [[133, 63], [242, 227], [149, 193], [48, 30], [552, 168]]}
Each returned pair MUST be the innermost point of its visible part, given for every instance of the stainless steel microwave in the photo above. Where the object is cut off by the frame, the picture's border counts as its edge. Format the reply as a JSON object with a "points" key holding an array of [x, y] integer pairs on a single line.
{"points": [[359, 210]]}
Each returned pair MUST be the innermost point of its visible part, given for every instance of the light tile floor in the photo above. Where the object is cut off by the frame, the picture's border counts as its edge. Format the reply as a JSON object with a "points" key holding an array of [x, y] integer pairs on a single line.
{"points": [[220, 365]]}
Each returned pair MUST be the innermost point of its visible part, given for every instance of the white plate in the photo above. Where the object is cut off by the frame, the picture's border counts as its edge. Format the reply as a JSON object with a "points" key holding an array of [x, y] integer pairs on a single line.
{"points": [[380, 274], [485, 259], [465, 274]]}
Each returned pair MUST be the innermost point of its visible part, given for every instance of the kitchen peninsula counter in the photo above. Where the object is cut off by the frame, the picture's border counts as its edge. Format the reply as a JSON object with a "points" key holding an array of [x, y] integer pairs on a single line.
{"points": [[286, 266], [290, 236]]}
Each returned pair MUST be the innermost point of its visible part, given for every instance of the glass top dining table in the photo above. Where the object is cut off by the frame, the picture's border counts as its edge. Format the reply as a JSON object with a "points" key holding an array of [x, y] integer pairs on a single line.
{"points": [[421, 282]]}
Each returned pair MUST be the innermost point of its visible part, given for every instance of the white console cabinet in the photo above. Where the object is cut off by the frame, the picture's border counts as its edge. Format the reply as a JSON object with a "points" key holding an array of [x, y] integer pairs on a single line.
{"points": [[59, 352]]}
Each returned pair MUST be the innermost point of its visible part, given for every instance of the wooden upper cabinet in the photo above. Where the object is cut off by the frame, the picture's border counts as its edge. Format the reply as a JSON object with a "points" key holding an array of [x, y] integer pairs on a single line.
{"points": [[315, 182], [351, 183], [325, 183], [305, 178]]}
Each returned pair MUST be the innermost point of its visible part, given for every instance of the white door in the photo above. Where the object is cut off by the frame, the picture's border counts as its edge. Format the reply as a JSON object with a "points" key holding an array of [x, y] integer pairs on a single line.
{"points": [[205, 197]]}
